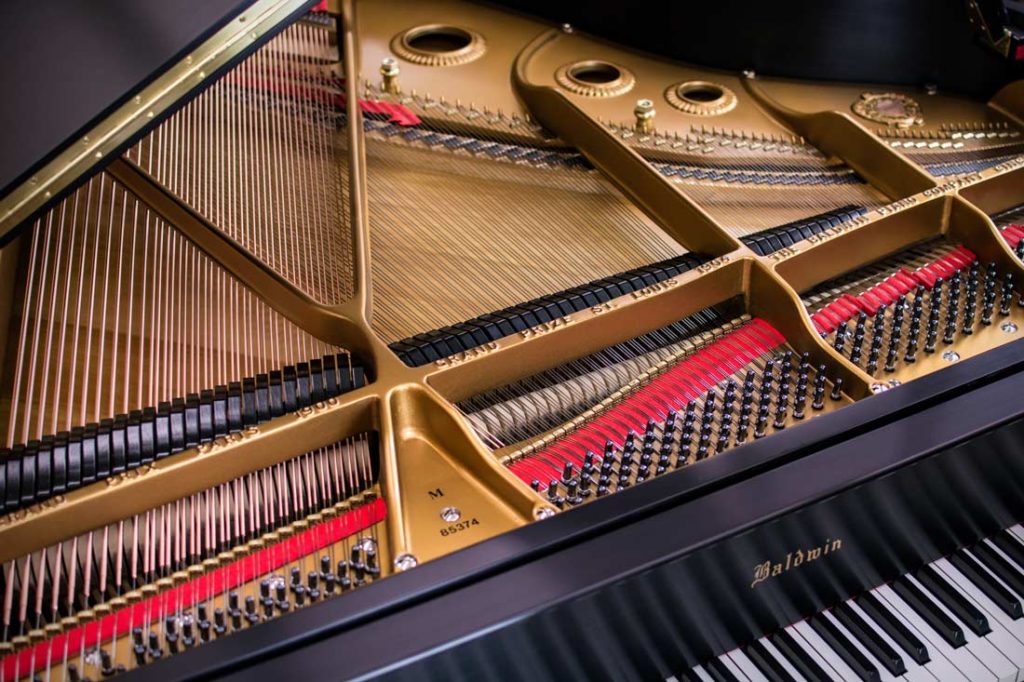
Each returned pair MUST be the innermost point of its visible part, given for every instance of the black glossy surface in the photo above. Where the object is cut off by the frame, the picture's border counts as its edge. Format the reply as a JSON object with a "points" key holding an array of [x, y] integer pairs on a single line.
{"points": [[67, 63], [910, 42]]}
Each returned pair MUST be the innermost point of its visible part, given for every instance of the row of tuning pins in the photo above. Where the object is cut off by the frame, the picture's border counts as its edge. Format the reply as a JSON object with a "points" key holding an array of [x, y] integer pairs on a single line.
{"points": [[277, 595], [704, 428], [952, 309]]}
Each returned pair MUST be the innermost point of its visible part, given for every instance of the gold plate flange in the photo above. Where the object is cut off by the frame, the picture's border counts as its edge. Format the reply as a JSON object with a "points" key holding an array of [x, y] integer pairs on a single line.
{"points": [[439, 45], [890, 108], [701, 98], [595, 78]]}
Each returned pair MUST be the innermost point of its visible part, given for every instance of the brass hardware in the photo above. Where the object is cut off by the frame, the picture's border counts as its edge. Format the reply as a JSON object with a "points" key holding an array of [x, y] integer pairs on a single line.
{"points": [[644, 113], [389, 70]]}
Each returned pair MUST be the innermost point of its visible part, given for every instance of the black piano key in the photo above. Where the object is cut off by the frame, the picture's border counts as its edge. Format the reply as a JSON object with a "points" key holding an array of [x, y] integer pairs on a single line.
{"points": [[1009, 544], [953, 600], [1002, 568], [929, 612], [846, 649], [766, 664], [991, 588], [869, 639], [804, 664], [894, 627], [718, 672]]}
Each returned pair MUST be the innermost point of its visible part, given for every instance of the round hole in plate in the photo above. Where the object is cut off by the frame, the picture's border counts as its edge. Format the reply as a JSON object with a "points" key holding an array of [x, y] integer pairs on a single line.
{"points": [[701, 93], [438, 45], [438, 39], [595, 73], [594, 78], [702, 98]]}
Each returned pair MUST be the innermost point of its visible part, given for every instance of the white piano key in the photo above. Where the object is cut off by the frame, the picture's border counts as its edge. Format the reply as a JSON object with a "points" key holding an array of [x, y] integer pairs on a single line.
{"points": [[698, 672], [1017, 530], [727, 662], [782, 660], [811, 640], [961, 659], [746, 666], [990, 657], [915, 671], [1001, 637], [995, 548], [1018, 625], [884, 675]]}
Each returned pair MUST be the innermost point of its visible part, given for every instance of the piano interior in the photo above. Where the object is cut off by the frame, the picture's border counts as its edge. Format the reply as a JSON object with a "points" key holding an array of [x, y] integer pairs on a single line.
{"points": [[410, 275]]}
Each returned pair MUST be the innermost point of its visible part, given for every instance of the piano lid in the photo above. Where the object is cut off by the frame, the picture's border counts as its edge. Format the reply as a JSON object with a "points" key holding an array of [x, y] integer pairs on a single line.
{"points": [[68, 64]]}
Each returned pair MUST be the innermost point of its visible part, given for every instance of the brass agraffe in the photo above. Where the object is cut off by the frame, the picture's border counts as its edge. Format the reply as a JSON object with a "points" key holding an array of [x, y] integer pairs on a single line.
{"points": [[423, 164]]}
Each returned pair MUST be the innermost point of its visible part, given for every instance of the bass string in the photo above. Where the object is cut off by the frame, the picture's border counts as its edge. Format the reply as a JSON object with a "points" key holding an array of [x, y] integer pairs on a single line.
{"points": [[121, 312], [262, 155]]}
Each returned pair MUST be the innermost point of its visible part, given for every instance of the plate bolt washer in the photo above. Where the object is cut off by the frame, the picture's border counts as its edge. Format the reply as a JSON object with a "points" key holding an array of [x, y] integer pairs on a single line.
{"points": [[451, 514], [950, 356]]}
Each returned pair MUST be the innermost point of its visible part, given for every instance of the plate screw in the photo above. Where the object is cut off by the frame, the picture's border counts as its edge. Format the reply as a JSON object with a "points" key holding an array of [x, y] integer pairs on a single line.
{"points": [[879, 388], [542, 513], [451, 514], [403, 562], [950, 356], [1008, 327]]}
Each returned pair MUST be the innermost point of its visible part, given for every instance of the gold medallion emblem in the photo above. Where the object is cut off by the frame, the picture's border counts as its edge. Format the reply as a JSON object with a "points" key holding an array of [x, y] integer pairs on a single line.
{"points": [[890, 108]]}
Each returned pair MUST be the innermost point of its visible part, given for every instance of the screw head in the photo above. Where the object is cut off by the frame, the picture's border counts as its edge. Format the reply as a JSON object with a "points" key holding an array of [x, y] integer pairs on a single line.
{"points": [[451, 514], [1008, 327], [893, 383], [403, 562], [950, 356], [566, 28], [749, 73], [541, 513], [879, 388], [930, 88]]}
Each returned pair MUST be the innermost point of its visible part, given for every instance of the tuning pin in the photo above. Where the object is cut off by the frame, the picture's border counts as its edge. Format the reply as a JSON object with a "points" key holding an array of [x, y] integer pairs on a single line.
{"points": [[1020, 249], [553, 495], [572, 495], [535, 485], [913, 339], [839, 343], [629, 445], [1006, 294], [818, 399], [800, 397], [567, 472], [837, 389]]}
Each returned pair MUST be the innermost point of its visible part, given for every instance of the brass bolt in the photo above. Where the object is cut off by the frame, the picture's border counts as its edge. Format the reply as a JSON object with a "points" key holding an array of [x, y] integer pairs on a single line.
{"points": [[389, 70], [644, 112]]}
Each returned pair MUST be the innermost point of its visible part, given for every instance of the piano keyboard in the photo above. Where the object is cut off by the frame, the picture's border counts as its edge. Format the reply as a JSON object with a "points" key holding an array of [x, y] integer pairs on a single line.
{"points": [[958, 618]]}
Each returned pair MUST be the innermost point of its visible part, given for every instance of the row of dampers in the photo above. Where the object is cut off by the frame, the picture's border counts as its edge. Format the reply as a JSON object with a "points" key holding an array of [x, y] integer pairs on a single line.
{"points": [[38, 470], [464, 336]]}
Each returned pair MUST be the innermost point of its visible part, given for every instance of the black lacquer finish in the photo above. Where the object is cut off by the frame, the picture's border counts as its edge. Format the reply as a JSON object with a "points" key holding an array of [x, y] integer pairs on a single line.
{"points": [[671, 572]]}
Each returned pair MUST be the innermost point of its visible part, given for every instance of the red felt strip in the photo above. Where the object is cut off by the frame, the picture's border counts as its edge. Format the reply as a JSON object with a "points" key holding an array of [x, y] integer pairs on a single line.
{"points": [[846, 307], [689, 379], [244, 570]]}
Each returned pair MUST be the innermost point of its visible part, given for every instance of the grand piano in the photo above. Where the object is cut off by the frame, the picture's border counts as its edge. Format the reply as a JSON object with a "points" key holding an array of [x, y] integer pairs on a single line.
{"points": [[447, 340]]}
